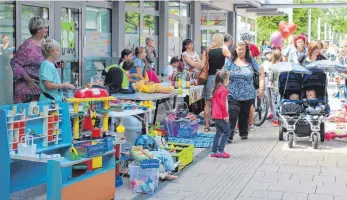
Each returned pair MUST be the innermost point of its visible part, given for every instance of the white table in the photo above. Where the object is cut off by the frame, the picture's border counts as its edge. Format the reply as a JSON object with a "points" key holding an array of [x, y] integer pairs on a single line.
{"points": [[127, 113], [159, 98]]}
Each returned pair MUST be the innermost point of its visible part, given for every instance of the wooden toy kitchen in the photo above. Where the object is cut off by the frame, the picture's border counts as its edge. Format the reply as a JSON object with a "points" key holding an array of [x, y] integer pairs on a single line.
{"points": [[38, 145]]}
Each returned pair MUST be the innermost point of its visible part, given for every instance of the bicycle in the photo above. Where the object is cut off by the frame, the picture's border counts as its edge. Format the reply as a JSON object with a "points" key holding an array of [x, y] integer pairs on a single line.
{"points": [[261, 109]]}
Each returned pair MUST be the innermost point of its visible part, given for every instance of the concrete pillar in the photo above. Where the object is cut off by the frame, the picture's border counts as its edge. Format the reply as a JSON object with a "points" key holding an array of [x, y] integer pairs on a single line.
{"points": [[196, 23], [163, 34], [231, 26], [118, 29]]}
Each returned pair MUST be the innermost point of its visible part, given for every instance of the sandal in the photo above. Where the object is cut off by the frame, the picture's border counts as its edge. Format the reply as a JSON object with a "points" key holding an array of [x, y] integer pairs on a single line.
{"points": [[207, 129]]}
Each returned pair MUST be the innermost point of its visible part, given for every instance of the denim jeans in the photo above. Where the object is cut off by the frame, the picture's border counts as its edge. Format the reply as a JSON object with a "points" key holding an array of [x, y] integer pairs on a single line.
{"points": [[222, 135]]}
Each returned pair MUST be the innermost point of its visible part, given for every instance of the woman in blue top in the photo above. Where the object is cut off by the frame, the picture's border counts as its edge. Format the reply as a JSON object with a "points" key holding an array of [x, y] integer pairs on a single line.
{"points": [[241, 88]]}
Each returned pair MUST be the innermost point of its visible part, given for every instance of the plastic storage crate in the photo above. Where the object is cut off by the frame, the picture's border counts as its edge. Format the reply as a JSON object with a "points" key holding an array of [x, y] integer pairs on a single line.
{"points": [[87, 149], [184, 128], [143, 180], [183, 153]]}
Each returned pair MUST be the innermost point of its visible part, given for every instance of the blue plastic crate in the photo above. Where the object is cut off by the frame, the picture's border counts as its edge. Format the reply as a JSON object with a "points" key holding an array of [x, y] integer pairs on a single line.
{"points": [[88, 150]]}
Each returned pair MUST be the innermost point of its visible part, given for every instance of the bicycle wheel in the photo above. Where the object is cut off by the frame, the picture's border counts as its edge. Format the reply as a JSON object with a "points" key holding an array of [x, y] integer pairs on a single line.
{"points": [[261, 107]]}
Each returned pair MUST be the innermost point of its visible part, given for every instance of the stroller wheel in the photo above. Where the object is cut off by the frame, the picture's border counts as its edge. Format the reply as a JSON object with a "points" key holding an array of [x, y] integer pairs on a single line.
{"points": [[290, 140], [322, 132], [280, 130], [315, 141]]}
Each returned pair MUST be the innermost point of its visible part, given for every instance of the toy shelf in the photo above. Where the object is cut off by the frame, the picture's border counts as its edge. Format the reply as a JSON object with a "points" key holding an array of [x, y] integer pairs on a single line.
{"points": [[63, 161]]}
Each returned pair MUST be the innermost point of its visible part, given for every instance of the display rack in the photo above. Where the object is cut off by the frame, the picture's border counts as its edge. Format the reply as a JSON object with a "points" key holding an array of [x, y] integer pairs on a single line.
{"points": [[46, 129]]}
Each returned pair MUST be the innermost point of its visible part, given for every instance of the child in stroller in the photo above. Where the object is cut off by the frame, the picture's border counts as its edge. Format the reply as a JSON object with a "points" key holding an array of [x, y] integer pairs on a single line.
{"points": [[304, 117]]}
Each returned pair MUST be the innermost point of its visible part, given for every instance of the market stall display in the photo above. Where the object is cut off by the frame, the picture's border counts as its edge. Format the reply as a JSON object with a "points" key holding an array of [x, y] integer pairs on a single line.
{"points": [[36, 140]]}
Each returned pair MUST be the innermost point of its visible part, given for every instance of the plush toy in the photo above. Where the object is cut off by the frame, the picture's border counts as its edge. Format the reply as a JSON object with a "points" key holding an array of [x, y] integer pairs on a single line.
{"points": [[140, 86]]}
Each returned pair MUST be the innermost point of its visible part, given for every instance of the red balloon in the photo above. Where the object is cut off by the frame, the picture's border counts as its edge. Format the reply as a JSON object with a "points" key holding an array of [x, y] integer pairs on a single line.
{"points": [[286, 28]]}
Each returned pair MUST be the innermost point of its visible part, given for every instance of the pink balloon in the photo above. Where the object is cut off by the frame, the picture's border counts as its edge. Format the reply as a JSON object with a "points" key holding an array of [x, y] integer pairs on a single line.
{"points": [[276, 39]]}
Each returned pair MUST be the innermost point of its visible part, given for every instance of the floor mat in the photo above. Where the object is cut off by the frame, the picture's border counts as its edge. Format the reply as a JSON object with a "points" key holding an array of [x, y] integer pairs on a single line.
{"points": [[202, 140]]}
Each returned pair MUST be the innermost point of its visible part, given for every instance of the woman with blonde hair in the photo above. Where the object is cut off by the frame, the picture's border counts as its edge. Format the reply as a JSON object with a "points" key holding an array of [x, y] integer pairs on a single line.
{"points": [[313, 53], [216, 60]]}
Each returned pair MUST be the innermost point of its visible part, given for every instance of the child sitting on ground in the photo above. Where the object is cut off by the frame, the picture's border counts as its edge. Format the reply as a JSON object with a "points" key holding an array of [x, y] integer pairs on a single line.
{"points": [[49, 78], [220, 114]]}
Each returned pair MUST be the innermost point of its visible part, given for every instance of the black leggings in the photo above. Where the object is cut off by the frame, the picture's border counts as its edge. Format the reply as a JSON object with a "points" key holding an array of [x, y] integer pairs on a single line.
{"points": [[239, 110]]}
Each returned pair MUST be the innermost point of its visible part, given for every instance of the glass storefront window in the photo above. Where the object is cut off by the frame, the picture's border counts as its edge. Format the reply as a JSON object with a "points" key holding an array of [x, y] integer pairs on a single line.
{"points": [[174, 38], [98, 47], [132, 3], [132, 30], [174, 8], [251, 24], [185, 12], [27, 13], [69, 44], [151, 5], [7, 33]]}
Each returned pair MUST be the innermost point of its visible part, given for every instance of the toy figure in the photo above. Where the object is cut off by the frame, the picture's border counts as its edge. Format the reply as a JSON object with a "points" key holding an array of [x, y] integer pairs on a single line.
{"points": [[53, 105], [148, 186], [141, 86]]}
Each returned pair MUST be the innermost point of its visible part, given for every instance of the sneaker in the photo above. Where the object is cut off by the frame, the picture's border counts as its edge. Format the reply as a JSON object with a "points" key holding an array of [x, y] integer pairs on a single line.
{"points": [[214, 155], [244, 137], [251, 127], [271, 116], [230, 141], [222, 155]]}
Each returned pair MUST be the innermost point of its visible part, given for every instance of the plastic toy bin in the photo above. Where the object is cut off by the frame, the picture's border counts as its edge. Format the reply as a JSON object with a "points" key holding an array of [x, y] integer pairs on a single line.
{"points": [[87, 149], [143, 180], [184, 128]]}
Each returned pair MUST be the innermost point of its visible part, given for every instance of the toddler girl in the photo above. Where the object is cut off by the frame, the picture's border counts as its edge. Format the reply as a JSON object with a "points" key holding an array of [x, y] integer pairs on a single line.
{"points": [[49, 78], [220, 114]]}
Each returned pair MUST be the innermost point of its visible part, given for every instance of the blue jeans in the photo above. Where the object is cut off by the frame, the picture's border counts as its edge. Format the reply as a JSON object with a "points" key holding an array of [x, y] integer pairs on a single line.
{"points": [[222, 135]]}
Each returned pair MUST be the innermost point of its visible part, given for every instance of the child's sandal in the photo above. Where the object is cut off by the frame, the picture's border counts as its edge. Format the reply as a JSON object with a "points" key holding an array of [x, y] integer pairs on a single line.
{"points": [[207, 129]]}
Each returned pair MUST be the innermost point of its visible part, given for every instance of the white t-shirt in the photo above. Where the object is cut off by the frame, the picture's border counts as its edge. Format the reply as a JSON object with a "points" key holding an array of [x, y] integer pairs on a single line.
{"points": [[169, 70]]}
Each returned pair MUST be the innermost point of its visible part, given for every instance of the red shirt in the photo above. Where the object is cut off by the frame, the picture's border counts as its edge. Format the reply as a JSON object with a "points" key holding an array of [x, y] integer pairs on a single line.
{"points": [[219, 103], [254, 50]]}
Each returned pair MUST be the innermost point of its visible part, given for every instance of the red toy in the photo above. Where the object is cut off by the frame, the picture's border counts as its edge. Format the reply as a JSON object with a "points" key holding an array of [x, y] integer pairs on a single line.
{"points": [[91, 93], [333, 135]]}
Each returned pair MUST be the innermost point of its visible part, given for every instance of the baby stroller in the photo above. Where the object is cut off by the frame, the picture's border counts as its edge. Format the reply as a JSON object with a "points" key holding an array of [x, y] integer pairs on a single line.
{"points": [[288, 110], [303, 118]]}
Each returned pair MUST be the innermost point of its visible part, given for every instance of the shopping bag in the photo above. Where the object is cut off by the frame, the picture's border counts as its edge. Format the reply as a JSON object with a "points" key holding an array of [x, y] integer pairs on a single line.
{"points": [[27, 147]]}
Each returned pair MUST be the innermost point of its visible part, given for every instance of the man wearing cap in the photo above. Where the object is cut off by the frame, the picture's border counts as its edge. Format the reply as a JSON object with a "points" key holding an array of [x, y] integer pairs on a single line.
{"points": [[255, 53]]}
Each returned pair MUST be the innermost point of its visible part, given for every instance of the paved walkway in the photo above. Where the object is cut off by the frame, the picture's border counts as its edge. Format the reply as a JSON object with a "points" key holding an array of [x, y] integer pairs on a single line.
{"points": [[264, 168]]}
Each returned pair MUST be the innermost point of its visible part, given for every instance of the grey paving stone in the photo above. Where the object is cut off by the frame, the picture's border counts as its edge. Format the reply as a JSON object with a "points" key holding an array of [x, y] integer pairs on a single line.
{"points": [[166, 197], [246, 193], [340, 198], [292, 187], [276, 176], [267, 194], [268, 168], [294, 196], [320, 197], [324, 179], [332, 189], [327, 163], [285, 161], [334, 172], [308, 162], [302, 177], [257, 186], [300, 170], [188, 194]]}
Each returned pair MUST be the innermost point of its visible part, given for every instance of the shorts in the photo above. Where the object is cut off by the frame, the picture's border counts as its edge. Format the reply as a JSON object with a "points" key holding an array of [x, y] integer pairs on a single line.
{"points": [[207, 92]]}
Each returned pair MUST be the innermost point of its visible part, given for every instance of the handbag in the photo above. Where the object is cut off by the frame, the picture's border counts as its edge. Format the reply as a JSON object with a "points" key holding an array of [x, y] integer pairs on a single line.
{"points": [[255, 78], [203, 76]]}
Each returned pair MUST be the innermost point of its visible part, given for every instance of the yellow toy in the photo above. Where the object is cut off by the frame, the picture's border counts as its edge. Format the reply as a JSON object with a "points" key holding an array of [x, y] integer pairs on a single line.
{"points": [[148, 104], [141, 86], [120, 129]]}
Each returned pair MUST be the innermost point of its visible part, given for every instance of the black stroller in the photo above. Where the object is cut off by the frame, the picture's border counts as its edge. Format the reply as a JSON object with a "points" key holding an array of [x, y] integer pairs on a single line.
{"points": [[297, 117]]}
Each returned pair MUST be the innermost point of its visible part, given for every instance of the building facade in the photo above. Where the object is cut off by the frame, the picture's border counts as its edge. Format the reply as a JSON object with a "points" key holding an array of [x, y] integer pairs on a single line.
{"points": [[94, 32]]}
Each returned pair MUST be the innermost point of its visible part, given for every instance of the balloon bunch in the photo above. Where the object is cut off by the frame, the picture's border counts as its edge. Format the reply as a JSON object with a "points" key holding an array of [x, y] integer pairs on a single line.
{"points": [[285, 30]]}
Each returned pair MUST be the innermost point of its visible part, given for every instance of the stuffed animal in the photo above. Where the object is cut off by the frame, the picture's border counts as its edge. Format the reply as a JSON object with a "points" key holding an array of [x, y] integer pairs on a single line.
{"points": [[141, 86]]}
